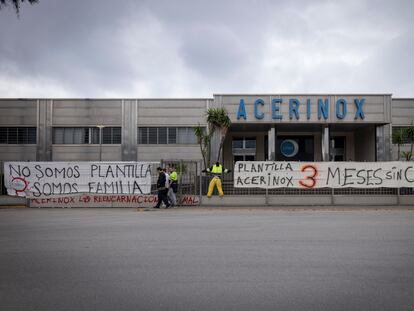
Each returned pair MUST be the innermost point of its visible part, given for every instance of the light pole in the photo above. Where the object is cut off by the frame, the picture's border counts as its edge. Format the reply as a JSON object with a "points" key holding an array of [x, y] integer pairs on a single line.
{"points": [[100, 127]]}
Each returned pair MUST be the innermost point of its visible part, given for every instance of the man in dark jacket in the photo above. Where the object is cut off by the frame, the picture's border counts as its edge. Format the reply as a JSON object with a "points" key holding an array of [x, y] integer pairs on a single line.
{"points": [[162, 189]]}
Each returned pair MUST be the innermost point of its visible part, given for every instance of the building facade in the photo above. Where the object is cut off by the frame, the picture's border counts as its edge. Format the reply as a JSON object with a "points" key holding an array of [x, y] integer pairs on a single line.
{"points": [[285, 127]]}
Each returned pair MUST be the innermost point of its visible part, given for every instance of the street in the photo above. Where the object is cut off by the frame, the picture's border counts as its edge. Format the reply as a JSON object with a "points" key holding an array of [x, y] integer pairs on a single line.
{"points": [[123, 259]]}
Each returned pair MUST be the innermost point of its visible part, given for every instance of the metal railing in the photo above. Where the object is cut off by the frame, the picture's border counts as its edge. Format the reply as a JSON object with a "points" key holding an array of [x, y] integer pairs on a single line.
{"points": [[229, 189], [191, 182]]}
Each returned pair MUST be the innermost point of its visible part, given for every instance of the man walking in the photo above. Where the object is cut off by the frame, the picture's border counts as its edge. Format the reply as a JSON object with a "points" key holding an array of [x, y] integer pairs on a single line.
{"points": [[162, 189], [173, 186]]}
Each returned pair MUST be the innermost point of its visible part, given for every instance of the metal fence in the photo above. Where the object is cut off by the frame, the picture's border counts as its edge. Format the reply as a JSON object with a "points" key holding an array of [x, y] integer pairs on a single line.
{"points": [[189, 177], [192, 181], [229, 189], [3, 190]]}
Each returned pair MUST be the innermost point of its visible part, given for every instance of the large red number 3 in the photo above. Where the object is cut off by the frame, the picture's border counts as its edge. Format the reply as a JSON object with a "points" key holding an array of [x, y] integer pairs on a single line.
{"points": [[309, 181]]}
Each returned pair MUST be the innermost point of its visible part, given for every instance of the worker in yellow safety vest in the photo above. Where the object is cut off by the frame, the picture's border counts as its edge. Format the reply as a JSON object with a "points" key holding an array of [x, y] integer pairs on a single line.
{"points": [[216, 170]]}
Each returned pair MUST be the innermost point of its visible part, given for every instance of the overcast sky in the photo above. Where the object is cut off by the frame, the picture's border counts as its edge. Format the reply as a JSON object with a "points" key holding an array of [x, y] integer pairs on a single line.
{"points": [[126, 48]]}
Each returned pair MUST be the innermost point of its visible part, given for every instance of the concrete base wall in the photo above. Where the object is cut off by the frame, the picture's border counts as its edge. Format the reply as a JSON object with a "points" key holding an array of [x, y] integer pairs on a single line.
{"points": [[313, 200], [12, 201], [322, 200]]}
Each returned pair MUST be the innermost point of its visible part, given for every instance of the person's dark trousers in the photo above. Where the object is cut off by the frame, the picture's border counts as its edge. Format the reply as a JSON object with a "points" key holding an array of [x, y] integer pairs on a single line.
{"points": [[162, 197]]}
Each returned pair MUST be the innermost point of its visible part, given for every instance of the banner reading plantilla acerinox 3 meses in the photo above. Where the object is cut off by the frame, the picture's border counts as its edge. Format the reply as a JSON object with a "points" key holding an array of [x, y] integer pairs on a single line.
{"points": [[311, 175]]}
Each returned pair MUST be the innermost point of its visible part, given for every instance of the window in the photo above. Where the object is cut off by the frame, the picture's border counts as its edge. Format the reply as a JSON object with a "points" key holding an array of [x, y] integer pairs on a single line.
{"points": [[244, 143], [111, 135], [153, 135], [86, 135], [337, 148], [166, 135], [162, 135], [143, 135], [172, 135], [186, 136], [18, 135], [250, 142], [244, 148], [401, 129], [237, 143], [247, 157]]}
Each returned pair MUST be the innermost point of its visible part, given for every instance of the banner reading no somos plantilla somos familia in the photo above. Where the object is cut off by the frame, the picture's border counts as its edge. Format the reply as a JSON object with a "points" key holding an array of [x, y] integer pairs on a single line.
{"points": [[40, 179], [311, 175]]}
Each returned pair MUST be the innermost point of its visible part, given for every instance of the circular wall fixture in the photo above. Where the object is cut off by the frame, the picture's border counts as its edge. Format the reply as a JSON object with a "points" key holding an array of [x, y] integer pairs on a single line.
{"points": [[289, 148]]}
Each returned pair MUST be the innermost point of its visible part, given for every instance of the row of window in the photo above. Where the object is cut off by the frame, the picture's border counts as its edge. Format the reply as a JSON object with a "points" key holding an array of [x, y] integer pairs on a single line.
{"points": [[86, 135], [91, 135], [112, 135], [166, 135]]}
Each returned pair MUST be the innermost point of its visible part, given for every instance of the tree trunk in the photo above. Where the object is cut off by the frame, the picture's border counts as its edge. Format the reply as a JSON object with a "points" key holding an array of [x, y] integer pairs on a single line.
{"points": [[223, 137], [203, 153]]}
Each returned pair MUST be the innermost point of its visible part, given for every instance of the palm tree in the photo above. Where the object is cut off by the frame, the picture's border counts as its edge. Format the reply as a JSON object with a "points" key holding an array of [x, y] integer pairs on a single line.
{"points": [[15, 3], [204, 141], [398, 139], [406, 155], [409, 134], [218, 120]]}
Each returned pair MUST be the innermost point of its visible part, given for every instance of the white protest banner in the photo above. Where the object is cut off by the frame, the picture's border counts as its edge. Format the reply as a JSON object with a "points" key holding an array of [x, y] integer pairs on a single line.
{"points": [[43, 179], [311, 175]]}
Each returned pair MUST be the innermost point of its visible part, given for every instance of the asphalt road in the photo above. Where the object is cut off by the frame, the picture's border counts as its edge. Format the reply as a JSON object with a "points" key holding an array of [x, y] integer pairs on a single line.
{"points": [[121, 259]]}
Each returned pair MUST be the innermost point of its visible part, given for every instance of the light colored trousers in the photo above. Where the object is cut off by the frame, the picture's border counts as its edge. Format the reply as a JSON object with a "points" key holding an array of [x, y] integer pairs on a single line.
{"points": [[172, 197]]}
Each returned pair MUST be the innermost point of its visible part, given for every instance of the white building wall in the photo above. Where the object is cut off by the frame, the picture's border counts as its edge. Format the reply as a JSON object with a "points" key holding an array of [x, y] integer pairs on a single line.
{"points": [[172, 112], [18, 112], [168, 152], [86, 153], [85, 112], [402, 111], [182, 112]]}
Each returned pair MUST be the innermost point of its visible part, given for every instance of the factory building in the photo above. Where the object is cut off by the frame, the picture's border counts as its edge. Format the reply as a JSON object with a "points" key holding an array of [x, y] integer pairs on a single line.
{"points": [[291, 127]]}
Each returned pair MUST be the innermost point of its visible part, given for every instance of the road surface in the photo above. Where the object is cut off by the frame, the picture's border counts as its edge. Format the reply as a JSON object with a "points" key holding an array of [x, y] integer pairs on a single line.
{"points": [[121, 259]]}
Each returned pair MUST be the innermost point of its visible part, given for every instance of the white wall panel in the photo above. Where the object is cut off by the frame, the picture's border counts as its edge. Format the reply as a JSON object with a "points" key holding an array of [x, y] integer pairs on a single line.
{"points": [[402, 112], [18, 112], [78, 112], [86, 153]]}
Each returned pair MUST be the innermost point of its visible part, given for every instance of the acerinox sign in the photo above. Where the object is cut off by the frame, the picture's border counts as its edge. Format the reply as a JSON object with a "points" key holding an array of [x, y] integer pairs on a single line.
{"points": [[295, 107]]}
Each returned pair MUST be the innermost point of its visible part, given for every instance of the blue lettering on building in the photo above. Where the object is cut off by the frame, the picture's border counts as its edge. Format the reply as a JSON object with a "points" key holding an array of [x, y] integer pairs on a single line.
{"points": [[296, 107], [293, 108], [360, 112], [241, 113], [276, 109], [341, 109], [257, 113], [323, 108]]}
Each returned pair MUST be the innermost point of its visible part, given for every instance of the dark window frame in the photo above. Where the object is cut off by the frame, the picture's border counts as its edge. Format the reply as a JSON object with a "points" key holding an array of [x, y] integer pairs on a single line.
{"points": [[170, 135], [22, 135], [91, 135]]}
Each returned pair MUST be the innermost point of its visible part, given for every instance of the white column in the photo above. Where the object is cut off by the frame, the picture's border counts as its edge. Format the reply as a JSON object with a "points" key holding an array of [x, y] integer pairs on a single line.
{"points": [[271, 144], [325, 143]]}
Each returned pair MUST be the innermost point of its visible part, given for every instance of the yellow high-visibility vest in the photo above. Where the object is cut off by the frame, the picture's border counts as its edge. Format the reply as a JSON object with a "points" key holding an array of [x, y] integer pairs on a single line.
{"points": [[217, 169], [173, 176]]}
